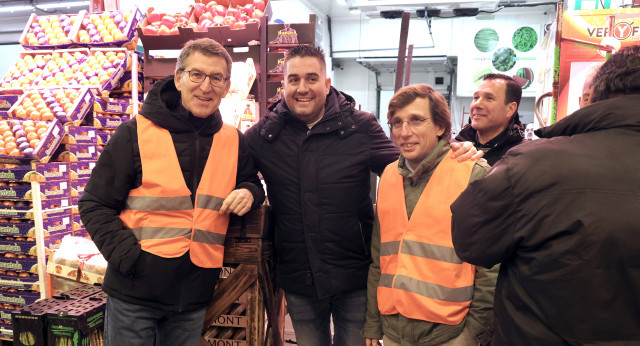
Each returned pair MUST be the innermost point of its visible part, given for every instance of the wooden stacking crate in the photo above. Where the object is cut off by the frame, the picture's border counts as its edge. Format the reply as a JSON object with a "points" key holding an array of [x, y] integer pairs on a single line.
{"points": [[249, 250]]}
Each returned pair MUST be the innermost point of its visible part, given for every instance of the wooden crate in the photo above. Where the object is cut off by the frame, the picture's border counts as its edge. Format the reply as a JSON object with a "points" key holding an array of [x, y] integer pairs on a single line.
{"points": [[249, 238], [249, 248]]}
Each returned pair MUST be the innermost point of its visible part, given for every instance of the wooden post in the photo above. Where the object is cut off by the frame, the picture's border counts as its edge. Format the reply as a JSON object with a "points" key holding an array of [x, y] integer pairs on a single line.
{"points": [[404, 32], [407, 72]]}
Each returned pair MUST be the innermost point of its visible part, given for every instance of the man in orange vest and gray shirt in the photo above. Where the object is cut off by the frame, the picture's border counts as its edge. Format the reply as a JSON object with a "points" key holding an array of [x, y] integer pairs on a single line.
{"points": [[158, 201], [419, 291]]}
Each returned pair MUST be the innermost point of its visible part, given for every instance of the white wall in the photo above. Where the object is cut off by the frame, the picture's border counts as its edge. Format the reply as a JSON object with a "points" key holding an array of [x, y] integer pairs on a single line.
{"points": [[356, 38]]}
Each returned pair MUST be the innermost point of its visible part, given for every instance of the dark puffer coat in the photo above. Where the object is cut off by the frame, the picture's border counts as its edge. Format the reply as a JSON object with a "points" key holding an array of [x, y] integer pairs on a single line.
{"points": [[137, 276], [561, 215], [318, 185]]}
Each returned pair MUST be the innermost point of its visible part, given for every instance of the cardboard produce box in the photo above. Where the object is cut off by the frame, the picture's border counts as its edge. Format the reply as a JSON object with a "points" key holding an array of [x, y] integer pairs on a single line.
{"points": [[80, 320]]}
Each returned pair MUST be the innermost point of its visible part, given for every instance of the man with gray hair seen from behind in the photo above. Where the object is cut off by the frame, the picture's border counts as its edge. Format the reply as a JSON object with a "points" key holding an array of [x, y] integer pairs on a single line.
{"points": [[158, 201], [585, 96], [561, 215]]}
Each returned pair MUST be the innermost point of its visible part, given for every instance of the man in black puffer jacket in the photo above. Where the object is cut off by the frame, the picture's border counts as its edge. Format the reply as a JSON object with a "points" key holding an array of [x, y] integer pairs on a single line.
{"points": [[315, 152], [495, 125], [165, 287], [561, 215]]}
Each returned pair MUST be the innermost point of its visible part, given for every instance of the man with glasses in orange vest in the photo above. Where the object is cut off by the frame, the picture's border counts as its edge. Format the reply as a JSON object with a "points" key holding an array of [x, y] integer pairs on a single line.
{"points": [[158, 201], [419, 291]]}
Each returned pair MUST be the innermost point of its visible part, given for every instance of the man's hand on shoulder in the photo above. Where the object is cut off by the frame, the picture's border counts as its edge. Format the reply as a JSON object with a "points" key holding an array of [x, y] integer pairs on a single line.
{"points": [[238, 202], [465, 151]]}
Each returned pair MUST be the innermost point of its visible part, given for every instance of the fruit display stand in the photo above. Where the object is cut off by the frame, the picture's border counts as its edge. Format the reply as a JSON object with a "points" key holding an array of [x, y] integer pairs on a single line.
{"points": [[248, 294], [32, 223]]}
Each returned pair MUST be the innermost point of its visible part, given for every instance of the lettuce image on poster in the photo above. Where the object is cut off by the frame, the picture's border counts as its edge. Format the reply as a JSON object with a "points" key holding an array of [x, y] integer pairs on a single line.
{"points": [[486, 40], [524, 39], [504, 59]]}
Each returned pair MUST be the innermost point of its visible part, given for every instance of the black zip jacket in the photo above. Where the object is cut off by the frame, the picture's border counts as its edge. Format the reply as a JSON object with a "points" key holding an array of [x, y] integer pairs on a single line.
{"points": [[495, 149], [137, 276], [318, 185], [561, 215]]}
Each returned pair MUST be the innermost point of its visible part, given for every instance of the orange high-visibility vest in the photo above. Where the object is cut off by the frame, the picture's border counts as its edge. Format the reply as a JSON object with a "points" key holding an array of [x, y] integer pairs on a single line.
{"points": [[160, 212], [421, 275]]}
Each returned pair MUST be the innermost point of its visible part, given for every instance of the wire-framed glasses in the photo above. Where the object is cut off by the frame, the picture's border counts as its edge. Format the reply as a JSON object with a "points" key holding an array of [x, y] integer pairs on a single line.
{"points": [[216, 80], [414, 123]]}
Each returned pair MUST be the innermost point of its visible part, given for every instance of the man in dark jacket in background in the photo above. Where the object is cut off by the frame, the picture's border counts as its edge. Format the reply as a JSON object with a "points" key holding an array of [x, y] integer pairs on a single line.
{"points": [[315, 152], [141, 208], [495, 125], [561, 215]]}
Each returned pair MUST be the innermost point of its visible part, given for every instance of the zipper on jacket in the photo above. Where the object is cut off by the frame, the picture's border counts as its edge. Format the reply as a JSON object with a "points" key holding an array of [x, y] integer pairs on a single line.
{"points": [[309, 279], [364, 243]]}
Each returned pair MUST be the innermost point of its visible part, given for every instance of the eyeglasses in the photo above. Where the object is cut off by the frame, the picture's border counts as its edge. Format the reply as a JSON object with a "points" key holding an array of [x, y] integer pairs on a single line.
{"points": [[414, 123], [216, 80]]}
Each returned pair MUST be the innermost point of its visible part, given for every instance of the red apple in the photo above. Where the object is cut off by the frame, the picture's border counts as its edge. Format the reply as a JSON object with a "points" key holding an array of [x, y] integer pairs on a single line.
{"points": [[229, 20], [243, 18], [257, 14], [247, 9], [206, 15], [204, 24], [253, 20], [259, 5], [218, 20], [238, 25], [163, 30], [220, 10], [210, 6], [174, 31], [150, 30], [198, 8], [154, 17], [169, 21], [233, 12]]}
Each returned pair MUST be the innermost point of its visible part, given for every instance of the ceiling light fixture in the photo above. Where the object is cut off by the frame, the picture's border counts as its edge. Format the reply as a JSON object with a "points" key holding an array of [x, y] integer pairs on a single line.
{"points": [[354, 10], [63, 5], [342, 2], [12, 9]]}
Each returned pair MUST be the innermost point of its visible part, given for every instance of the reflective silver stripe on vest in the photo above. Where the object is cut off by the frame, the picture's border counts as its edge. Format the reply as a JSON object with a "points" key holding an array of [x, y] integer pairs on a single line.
{"points": [[389, 248], [143, 233], [435, 252], [386, 280], [209, 202], [431, 290], [202, 236], [147, 203]]}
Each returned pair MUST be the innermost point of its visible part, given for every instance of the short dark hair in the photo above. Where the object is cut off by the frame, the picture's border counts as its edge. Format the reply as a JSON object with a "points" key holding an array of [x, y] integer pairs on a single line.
{"points": [[620, 74], [513, 92], [302, 51], [207, 47], [439, 109]]}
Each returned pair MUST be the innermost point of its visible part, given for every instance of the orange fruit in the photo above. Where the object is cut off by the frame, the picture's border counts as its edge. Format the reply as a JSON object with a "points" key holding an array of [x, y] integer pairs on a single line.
{"points": [[31, 136], [34, 142], [8, 147], [15, 152]]}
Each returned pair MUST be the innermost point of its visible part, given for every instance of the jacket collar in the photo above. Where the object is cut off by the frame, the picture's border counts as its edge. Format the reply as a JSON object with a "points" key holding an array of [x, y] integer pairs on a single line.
{"points": [[427, 165], [337, 118], [617, 112], [513, 133]]}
